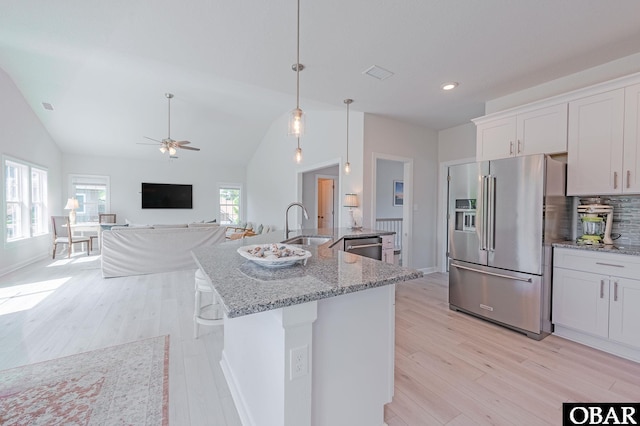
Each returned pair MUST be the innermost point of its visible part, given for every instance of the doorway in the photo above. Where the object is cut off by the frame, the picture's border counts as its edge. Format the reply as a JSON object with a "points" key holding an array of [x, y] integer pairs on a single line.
{"points": [[326, 190]]}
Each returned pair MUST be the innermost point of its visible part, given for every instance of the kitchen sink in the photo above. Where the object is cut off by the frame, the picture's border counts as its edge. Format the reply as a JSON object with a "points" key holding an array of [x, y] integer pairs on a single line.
{"points": [[308, 241]]}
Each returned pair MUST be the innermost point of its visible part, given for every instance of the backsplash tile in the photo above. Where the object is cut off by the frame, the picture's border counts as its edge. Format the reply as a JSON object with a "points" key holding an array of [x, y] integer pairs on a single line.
{"points": [[626, 218]]}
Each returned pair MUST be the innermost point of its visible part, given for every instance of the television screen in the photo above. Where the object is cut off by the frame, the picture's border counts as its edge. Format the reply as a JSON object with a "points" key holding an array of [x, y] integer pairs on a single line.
{"points": [[166, 196]]}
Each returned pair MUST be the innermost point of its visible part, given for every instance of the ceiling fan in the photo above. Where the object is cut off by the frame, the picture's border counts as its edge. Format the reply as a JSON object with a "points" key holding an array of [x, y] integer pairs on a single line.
{"points": [[169, 145]]}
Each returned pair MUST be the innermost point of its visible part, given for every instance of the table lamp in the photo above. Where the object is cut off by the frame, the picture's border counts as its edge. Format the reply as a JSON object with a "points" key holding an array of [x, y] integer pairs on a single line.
{"points": [[72, 204], [351, 201]]}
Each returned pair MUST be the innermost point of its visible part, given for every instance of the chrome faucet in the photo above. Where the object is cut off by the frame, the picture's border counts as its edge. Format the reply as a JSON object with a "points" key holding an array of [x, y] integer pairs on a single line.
{"points": [[286, 217]]}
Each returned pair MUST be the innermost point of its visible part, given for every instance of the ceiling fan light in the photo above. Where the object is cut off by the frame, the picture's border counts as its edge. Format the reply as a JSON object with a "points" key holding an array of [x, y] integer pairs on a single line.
{"points": [[296, 122], [163, 149], [172, 151]]}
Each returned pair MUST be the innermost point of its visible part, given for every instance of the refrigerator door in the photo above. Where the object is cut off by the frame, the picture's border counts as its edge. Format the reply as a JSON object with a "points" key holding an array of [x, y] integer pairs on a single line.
{"points": [[516, 197], [509, 298], [467, 215]]}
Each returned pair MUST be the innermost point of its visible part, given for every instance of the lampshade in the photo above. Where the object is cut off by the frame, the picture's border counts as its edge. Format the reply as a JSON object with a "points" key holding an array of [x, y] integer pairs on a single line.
{"points": [[351, 200], [72, 204]]}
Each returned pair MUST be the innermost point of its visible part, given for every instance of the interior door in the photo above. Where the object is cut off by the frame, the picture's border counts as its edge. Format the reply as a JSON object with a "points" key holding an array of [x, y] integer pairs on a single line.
{"points": [[515, 224], [325, 202]]}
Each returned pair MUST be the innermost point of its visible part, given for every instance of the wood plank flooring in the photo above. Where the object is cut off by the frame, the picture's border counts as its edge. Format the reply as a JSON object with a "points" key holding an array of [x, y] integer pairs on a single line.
{"points": [[451, 369]]}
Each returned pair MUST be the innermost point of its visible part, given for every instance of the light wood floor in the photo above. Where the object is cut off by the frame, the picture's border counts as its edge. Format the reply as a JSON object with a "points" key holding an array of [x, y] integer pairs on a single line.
{"points": [[450, 368]]}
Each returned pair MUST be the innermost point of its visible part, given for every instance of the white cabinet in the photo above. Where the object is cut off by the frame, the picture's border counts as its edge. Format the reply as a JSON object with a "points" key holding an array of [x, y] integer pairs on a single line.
{"points": [[594, 163], [541, 131], [387, 248], [631, 166], [596, 299]]}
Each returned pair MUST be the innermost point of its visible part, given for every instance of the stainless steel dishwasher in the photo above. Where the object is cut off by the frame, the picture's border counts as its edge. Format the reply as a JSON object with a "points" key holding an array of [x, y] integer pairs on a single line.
{"points": [[368, 247]]}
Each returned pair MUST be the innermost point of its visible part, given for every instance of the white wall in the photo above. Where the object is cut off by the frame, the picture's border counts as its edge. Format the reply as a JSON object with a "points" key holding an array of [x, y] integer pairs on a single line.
{"points": [[608, 71], [126, 176], [457, 143], [274, 179], [23, 137], [386, 172], [387, 136]]}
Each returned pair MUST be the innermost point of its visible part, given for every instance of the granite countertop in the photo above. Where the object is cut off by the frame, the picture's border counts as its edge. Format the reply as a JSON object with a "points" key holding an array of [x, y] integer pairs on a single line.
{"points": [[631, 250], [246, 288]]}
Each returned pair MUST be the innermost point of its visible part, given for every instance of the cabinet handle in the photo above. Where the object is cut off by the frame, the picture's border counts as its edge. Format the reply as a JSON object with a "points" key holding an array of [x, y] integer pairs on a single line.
{"points": [[615, 180], [601, 289], [615, 291], [519, 143], [610, 264], [510, 147], [628, 178]]}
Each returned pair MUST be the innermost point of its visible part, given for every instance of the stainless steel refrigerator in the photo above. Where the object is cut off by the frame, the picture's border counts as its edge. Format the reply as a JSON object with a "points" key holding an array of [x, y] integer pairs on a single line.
{"points": [[503, 216]]}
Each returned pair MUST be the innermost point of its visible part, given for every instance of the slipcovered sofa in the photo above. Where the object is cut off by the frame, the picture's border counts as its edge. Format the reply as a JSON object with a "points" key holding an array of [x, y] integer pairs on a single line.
{"points": [[131, 250]]}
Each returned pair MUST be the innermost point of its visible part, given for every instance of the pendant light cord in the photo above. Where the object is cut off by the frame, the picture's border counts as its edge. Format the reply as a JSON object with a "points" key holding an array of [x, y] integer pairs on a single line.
{"points": [[298, 61], [348, 131]]}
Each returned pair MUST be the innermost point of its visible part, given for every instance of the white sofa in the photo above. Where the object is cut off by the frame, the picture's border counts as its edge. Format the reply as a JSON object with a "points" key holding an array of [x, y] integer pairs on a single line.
{"points": [[152, 249]]}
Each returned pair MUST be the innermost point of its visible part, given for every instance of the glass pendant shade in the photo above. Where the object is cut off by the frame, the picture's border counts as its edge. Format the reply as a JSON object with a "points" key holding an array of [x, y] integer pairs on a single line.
{"points": [[347, 168], [298, 155], [296, 122]]}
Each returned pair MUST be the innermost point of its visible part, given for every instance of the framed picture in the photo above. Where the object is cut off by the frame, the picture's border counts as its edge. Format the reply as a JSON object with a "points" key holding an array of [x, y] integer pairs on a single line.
{"points": [[398, 192]]}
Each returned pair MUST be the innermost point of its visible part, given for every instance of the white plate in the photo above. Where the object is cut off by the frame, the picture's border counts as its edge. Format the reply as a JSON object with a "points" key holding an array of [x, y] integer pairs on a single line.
{"points": [[271, 260]]}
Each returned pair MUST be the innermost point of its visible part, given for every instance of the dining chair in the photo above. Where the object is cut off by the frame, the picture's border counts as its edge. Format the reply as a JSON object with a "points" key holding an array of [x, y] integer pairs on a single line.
{"points": [[62, 234], [103, 218]]}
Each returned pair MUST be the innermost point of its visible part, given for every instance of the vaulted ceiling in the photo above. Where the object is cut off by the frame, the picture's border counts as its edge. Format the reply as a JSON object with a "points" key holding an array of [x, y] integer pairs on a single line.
{"points": [[105, 66]]}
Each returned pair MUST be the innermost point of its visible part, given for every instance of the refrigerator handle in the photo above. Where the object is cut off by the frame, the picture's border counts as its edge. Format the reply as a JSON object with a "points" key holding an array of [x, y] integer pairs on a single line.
{"points": [[482, 223], [526, 280], [491, 217]]}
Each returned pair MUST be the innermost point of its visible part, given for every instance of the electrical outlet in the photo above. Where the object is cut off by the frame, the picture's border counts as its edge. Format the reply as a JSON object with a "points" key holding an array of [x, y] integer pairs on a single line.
{"points": [[299, 362]]}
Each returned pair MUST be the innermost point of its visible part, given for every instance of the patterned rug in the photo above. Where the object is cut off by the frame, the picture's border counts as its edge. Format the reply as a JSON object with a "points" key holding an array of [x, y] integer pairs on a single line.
{"points": [[120, 385]]}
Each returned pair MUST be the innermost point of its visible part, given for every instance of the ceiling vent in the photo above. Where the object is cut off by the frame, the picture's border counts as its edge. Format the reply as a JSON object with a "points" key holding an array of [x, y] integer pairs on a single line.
{"points": [[47, 106], [377, 72]]}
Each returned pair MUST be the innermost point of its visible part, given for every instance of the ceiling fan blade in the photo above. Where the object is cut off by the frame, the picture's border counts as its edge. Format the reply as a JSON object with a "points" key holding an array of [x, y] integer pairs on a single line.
{"points": [[182, 142], [188, 147], [152, 139]]}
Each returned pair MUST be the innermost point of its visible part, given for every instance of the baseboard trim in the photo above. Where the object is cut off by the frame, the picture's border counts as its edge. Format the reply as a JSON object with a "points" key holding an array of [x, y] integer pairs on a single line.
{"points": [[604, 345], [27, 262], [428, 270]]}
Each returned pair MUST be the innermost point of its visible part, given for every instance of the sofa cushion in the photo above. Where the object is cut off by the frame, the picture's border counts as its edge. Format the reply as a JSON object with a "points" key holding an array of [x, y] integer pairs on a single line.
{"points": [[202, 225]]}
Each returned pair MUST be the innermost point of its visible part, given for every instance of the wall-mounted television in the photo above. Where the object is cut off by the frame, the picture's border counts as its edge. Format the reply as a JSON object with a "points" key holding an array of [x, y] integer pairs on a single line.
{"points": [[166, 196]]}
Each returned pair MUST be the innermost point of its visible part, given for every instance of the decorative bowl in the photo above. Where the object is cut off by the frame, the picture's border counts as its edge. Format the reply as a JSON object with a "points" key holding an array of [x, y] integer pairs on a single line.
{"points": [[276, 255]]}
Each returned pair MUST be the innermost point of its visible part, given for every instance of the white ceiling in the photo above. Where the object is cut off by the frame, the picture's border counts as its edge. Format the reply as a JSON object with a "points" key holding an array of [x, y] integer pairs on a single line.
{"points": [[105, 66]]}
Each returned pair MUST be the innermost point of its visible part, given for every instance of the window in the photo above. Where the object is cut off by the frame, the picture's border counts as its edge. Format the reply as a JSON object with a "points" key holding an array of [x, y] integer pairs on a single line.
{"points": [[92, 193], [25, 200], [230, 204]]}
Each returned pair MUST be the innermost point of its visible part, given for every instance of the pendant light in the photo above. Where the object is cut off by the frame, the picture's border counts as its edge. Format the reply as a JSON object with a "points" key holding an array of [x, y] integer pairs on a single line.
{"points": [[298, 153], [347, 165], [296, 117]]}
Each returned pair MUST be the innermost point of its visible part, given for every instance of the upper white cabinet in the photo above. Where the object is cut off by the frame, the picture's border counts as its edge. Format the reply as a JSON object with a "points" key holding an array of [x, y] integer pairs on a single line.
{"points": [[631, 162], [540, 131], [594, 163], [604, 143]]}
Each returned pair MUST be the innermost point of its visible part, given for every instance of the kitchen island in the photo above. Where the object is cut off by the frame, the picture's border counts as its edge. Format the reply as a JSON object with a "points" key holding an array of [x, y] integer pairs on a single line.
{"points": [[307, 344]]}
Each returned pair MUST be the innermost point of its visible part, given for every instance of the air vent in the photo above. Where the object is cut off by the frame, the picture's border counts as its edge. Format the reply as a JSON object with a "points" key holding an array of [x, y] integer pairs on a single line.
{"points": [[47, 106], [377, 72]]}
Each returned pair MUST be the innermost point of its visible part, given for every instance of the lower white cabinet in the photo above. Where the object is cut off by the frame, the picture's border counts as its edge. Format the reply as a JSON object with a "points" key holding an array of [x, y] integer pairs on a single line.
{"points": [[387, 248], [596, 301]]}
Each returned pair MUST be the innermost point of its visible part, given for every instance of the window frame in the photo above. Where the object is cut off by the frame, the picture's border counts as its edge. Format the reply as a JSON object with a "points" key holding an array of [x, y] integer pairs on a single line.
{"points": [[241, 215], [27, 206], [79, 179]]}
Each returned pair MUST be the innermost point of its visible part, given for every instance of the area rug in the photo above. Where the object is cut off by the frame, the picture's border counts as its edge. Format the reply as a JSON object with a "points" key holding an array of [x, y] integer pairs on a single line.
{"points": [[119, 385]]}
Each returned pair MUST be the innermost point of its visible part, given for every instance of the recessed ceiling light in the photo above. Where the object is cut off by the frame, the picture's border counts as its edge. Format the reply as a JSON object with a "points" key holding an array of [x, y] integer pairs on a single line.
{"points": [[377, 72], [449, 86], [47, 106]]}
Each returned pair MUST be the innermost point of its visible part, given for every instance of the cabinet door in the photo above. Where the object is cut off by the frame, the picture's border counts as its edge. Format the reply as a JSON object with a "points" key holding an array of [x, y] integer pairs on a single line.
{"points": [[543, 131], [496, 139], [624, 321], [581, 301], [595, 141], [631, 170]]}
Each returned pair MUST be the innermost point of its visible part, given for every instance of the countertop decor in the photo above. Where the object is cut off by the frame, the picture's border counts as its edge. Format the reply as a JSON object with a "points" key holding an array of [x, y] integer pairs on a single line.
{"points": [[329, 272]]}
